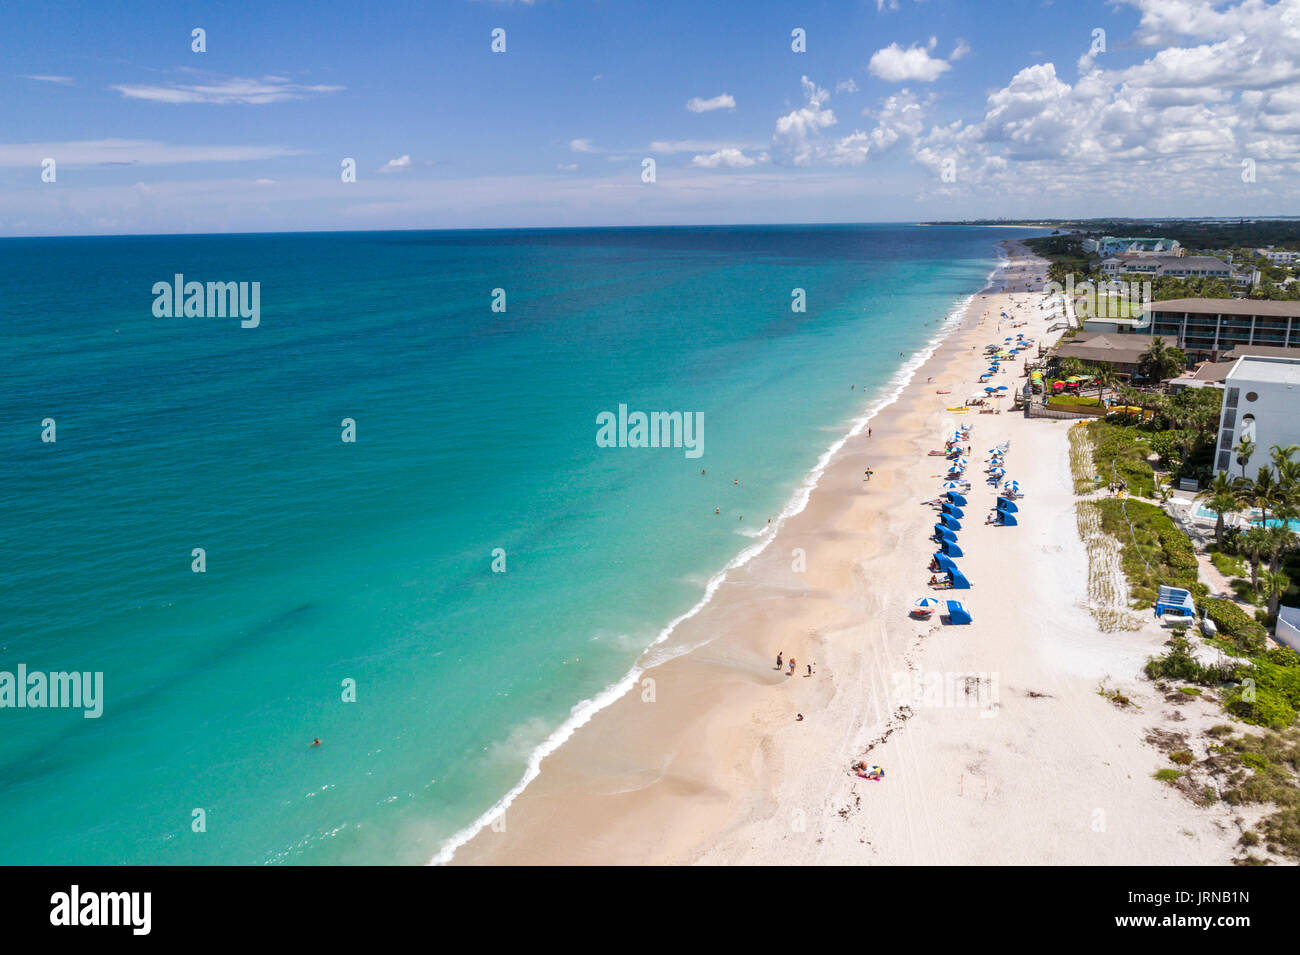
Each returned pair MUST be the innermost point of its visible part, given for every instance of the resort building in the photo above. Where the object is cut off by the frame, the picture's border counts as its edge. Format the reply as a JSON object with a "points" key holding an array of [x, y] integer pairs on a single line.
{"points": [[1122, 352], [1111, 245], [1261, 395], [1207, 328], [1174, 266]]}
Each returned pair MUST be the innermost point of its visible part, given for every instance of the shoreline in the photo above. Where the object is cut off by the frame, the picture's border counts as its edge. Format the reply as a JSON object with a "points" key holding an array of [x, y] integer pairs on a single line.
{"points": [[708, 763], [585, 710]]}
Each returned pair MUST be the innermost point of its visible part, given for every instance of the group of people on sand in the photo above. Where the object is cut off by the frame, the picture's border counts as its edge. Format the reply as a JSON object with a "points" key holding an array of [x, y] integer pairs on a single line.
{"points": [[780, 656]]}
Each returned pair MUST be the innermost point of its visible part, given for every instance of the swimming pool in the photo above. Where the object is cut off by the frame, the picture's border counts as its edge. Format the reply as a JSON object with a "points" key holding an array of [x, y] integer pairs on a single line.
{"points": [[1209, 515]]}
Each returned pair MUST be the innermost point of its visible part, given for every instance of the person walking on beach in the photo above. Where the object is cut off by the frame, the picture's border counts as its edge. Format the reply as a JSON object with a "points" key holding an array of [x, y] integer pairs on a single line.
{"points": [[792, 665], [810, 669], [778, 659]]}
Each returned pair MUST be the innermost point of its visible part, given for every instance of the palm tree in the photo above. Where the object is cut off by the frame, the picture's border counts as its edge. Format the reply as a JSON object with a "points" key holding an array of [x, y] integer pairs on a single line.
{"points": [[1224, 498], [1265, 492], [1281, 539], [1276, 584], [1160, 361], [1106, 378], [1253, 545], [1245, 448]]}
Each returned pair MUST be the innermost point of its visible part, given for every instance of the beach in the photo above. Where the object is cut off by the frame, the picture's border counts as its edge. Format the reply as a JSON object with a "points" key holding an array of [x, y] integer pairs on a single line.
{"points": [[997, 745]]}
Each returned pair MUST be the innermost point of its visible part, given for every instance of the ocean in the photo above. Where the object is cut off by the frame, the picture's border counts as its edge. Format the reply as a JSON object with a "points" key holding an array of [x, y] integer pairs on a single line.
{"points": [[432, 599]]}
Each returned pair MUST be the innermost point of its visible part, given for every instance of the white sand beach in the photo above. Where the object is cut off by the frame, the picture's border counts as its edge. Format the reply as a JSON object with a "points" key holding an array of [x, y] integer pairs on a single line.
{"points": [[709, 763]]}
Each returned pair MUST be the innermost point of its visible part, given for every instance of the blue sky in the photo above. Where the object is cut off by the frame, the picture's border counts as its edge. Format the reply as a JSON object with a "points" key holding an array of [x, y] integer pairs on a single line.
{"points": [[149, 136]]}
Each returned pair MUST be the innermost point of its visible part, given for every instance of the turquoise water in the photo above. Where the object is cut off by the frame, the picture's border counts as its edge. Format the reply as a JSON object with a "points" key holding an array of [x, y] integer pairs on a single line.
{"points": [[1208, 514], [372, 561]]}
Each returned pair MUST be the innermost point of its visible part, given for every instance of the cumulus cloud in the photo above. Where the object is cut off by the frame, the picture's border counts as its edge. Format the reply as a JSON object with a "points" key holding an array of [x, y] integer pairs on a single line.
{"points": [[846, 86], [226, 90], [396, 165], [730, 158], [797, 132], [1223, 86], [893, 64], [581, 145], [721, 101]]}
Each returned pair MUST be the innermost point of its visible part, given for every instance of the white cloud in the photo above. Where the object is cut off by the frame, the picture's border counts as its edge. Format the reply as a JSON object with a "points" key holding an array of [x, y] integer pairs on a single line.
{"points": [[264, 182], [731, 158], [915, 64], [668, 147], [396, 165], [797, 133], [581, 145], [48, 78], [132, 152], [721, 101], [960, 50], [846, 86], [226, 90], [567, 166]]}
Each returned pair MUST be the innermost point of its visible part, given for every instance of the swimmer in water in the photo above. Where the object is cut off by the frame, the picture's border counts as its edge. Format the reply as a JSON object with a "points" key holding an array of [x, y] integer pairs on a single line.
{"points": [[717, 511], [315, 741]]}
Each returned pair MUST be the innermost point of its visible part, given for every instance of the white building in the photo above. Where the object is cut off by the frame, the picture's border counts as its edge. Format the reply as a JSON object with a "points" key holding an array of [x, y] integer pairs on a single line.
{"points": [[1260, 402], [1112, 245], [1279, 256]]}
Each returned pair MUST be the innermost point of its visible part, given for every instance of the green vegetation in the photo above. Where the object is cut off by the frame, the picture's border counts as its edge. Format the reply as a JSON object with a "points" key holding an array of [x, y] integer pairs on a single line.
{"points": [[1234, 624], [1228, 565], [1153, 550], [1119, 453], [1064, 254], [1272, 700], [1179, 664], [1168, 775], [1073, 401]]}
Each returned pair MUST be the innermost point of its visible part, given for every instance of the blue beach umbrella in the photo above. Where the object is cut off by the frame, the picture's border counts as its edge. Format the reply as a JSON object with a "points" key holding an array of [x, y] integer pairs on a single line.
{"points": [[997, 472], [1001, 388], [950, 485]]}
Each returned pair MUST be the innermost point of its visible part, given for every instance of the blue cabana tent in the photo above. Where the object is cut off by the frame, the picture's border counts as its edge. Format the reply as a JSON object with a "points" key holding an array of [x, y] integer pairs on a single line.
{"points": [[957, 612], [950, 522], [956, 498], [1007, 520], [953, 510], [945, 562], [1005, 504], [958, 579], [943, 533], [1176, 601], [950, 548]]}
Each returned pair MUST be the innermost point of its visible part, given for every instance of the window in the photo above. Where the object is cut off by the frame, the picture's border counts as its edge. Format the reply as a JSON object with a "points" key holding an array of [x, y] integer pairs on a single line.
{"points": [[1232, 397], [1252, 396], [1225, 460]]}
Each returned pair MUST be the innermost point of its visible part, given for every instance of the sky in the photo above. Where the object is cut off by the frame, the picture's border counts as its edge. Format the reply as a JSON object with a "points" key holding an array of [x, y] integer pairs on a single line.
{"points": [[894, 110]]}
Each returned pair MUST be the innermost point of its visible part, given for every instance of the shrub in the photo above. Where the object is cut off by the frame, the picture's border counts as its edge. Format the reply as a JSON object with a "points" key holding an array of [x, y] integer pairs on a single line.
{"points": [[1235, 624]]}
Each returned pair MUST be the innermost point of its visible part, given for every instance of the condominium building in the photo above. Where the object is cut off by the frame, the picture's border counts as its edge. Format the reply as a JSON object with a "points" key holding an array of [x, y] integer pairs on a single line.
{"points": [[1207, 327], [1260, 401]]}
